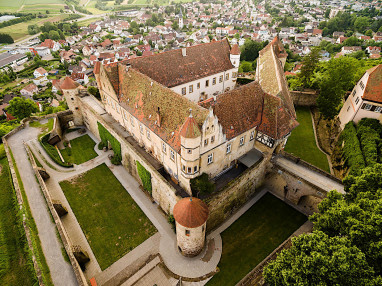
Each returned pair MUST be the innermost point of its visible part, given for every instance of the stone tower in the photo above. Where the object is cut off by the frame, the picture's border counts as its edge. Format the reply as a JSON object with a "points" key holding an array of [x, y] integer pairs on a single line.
{"points": [[70, 91], [190, 217], [235, 55]]}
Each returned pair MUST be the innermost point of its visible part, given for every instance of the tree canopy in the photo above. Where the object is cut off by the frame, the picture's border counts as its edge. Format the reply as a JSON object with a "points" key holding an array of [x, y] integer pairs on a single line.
{"points": [[21, 107]]}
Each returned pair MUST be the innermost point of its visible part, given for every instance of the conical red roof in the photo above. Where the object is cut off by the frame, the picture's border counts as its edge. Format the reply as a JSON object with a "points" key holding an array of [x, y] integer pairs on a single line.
{"points": [[190, 212], [68, 83], [235, 50], [190, 128]]}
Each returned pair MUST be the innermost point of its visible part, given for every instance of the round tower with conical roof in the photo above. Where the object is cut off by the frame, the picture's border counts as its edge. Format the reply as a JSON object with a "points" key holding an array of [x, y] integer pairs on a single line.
{"points": [[70, 91], [191, 216]]}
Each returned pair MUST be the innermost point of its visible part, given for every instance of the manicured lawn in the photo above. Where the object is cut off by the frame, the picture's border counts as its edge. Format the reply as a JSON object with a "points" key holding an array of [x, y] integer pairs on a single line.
{"points": [[302, 143], [111, 220], [14, 259], [251, 238], [82, 150]]}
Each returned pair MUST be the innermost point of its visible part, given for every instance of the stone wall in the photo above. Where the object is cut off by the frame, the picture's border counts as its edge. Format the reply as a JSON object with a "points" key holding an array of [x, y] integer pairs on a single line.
{"points": [[304, 98], [236, 194], [191, 244], [162, 192]]}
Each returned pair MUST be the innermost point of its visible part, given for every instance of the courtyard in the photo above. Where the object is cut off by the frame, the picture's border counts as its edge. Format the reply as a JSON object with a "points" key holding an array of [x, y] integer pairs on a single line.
{"points": [[302, 142], [251, 238], [110, 219], [81, 150]]}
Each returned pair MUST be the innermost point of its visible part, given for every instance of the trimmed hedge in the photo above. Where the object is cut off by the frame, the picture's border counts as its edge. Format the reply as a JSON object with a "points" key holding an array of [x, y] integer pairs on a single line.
{"points": [[370, 140], [107, 137], [145, 177], [352, 152], [52, 152]]}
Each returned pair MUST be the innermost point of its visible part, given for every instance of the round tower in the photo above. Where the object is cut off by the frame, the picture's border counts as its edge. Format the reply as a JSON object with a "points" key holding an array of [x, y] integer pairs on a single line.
{"points": [[190, 218], [235, 55], [70, 91]]}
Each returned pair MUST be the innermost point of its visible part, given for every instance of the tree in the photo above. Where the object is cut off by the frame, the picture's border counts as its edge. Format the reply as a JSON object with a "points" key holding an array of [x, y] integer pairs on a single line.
{"points": [[175, 25], [245, 66], [6, 39], [317, 259], [33, 29], [361, 23], [309, 64], [94, 91], [54, 35], [21, 107], [250, 50]]}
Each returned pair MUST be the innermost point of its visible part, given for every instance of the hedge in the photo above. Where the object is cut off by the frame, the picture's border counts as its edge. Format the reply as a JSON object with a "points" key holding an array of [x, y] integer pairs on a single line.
{"points": [[352, 152], [370, 140], [52, 152], [107, 137], [145, 177]]}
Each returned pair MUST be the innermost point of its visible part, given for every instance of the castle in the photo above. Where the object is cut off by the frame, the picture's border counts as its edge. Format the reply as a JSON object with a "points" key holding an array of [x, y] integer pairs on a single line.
{"points": [[183, 109]]}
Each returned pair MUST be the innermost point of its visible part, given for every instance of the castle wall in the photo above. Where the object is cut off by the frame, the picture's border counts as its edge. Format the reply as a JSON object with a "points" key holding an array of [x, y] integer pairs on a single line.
{"points": [[193, 243], [304, 98]]}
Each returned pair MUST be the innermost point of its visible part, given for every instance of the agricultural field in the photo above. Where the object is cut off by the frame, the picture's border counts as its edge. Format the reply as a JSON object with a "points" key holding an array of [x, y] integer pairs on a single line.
{"points": [[34, 6], [20, 30]]}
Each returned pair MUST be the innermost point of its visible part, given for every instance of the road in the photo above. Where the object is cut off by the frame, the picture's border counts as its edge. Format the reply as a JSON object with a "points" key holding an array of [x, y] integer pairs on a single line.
{"points": [[61, 271]]}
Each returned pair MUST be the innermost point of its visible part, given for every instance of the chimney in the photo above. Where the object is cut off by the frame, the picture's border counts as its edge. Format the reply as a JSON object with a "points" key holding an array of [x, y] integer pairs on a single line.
{"points": [[184, 52], [158, 117]]}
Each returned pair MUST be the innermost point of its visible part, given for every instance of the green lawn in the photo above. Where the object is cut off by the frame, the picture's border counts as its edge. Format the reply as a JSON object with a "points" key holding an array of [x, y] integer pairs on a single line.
{"points": [[302, 143], [254, 236], [111, 220], [15, 264], [82, 150]]}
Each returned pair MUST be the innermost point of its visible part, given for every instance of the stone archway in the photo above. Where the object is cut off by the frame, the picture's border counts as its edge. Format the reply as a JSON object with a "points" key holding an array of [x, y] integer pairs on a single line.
{"points": [[309, 203]]}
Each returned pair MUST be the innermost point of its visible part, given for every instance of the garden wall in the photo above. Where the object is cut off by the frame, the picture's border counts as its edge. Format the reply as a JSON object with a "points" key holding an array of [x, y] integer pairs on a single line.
{"points": [[304, 98], [235, 194], [162, 192]]}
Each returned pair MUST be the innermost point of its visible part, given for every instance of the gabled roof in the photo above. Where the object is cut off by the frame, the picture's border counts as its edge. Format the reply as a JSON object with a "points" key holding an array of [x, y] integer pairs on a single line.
{"points": [[141, 96], [41, 70], [171, 68], [373, 89]]}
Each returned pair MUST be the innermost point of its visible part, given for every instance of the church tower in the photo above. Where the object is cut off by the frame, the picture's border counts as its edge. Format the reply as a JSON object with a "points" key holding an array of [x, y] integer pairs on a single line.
{"points": [[180, 24], [190, 215]]}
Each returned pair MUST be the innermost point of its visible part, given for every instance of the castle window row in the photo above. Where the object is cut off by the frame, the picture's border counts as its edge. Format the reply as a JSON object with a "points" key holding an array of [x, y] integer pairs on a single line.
{"points": [[371, 107]]}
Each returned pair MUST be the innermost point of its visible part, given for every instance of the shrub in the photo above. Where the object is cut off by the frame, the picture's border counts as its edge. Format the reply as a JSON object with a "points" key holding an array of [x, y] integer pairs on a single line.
{"points": [[145, 177], [202, 184], [52, 152], [171, 220], [115, 160], [352, 150], [369, 139], [100, 145]]}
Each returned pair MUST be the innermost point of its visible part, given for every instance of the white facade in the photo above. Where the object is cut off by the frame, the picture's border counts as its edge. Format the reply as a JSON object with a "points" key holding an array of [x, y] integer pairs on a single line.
{"points": [[204, 88]]}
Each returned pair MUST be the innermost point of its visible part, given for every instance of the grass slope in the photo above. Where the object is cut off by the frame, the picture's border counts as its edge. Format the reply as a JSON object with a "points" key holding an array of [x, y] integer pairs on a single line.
{"points": [[111, 220], [82, 150], [302, 143], [254, 236]]}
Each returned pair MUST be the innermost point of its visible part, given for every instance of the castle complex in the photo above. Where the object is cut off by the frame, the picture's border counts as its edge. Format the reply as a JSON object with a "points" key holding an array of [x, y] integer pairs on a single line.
{"points": [[183, 109]]}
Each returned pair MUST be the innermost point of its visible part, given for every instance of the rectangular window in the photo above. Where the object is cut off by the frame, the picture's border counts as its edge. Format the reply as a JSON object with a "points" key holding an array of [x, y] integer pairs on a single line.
{"points": [[207, 83], [354, 92], [210, 158], [183, 91], [191, 89], [234, 74], [252, 135], [227, 76], [132, 121], [228, 148], [367, 106], [378, 109], [172, 155], [184, 168], [357, 100], [212, 139], [205, 142], [148, 134], [195, 169], [189, 170], [214, 81], [187, 232], [348, 108], [361, 85], [221, 78], [141, 128], [242, 141], [164, 148], [198, 85]]}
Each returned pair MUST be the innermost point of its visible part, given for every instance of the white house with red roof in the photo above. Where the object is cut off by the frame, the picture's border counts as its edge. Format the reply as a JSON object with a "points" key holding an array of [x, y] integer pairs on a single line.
{"points": [[365, 99], [52, 45], [29, 91], [40, 72]]}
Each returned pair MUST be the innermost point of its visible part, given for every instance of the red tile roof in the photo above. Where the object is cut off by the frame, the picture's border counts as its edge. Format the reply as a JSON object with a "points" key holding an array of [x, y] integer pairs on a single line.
{"points": [[373, 89], [235, 50], [190, 212], [68, 83], [171, 68], [190, 128], [41, 70]]}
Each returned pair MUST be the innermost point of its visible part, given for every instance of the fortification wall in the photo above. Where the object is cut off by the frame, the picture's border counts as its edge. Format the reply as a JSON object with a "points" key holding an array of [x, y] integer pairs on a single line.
{"points": [[304, 98]]}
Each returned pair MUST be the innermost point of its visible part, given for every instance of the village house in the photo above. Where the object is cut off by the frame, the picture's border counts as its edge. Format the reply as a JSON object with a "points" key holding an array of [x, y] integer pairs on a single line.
{"points": [[50, 44], [29, 91], [40, 72], [365, 99]]}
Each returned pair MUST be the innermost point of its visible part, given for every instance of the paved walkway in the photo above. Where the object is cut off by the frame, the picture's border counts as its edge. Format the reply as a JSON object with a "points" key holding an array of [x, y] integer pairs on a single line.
{"points": [[315, 178], [60, 270]]}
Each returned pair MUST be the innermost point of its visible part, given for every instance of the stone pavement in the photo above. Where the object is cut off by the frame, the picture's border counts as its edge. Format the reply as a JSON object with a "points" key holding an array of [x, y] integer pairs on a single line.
{"points": [[60, 270], [315, 178]]}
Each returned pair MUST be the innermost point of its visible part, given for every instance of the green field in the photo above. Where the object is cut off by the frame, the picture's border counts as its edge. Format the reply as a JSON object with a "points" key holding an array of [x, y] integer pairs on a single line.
{"points": [[24, 5], [251, 238], [302, 143], [15, 264], [20, 30], [110, 219], [82, 150]]}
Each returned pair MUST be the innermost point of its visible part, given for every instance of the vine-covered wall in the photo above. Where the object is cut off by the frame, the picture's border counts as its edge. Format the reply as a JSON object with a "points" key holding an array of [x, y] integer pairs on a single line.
{"points": [[145, 177], [107, 137]]}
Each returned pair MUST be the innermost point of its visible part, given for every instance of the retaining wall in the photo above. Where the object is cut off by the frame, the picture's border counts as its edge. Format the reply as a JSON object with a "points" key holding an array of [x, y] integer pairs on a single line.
{"points": [[304, 98]]}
